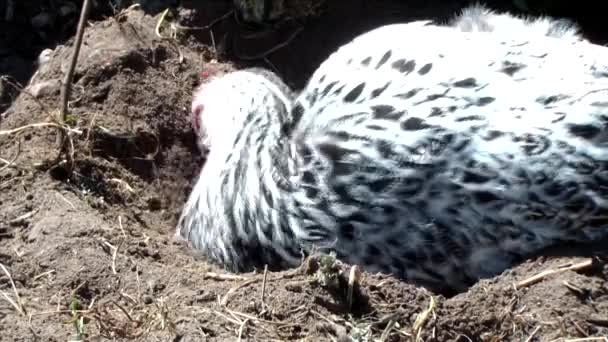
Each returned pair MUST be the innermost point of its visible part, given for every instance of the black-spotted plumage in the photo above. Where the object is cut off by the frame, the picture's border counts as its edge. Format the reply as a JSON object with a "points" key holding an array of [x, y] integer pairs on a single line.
{"points": [[442, 157]]}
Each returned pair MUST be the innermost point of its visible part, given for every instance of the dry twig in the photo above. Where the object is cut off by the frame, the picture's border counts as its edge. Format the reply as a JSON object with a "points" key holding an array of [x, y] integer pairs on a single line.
{"points": [[353, 279], [533, 333], [64, 128], [264, 286], [387, 331], [242, 328], [538, 277], [9, 163], [43, 274], [67, 81], [230, 292], [124, 235], [220, 276], [17, 304], [21, 219], [422, 318]]}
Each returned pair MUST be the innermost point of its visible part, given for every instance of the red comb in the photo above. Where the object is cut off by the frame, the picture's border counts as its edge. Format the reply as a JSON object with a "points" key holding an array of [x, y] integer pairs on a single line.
{"points": [[211, 69]]}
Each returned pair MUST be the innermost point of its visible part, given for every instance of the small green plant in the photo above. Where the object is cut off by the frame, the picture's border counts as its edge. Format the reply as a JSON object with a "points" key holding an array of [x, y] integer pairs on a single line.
{"points": [[77, 320], [71, 120], [328, 273]]}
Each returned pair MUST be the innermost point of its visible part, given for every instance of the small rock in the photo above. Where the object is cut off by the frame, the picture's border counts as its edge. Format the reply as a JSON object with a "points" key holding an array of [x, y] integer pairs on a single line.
{"points": [[44, 88], [44, 57]]}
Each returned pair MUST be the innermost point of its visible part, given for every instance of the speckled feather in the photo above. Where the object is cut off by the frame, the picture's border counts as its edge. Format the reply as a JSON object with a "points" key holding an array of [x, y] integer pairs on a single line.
{"points": [[442, 157], [478, 18]]}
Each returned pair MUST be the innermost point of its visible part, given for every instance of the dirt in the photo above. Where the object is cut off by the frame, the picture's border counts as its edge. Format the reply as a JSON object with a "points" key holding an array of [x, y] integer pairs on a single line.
{"points": [[90, 252]]}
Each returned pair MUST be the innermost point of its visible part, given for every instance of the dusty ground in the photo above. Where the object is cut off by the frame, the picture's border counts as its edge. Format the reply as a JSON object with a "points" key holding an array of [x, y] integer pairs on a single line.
{"points": [[90, 252]]}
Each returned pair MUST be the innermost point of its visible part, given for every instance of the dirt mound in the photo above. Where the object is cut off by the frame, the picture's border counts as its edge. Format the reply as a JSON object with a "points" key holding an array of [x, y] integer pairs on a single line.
{"points": [[90, 252]]}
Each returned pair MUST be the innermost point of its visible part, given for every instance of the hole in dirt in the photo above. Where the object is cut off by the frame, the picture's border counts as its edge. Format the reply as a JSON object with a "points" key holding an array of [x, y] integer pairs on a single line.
{"points": [[6, 259], [595, 250], [339, 300], [84, 292], [5, 233], [59, 172], [137, 152], [90, 180]]}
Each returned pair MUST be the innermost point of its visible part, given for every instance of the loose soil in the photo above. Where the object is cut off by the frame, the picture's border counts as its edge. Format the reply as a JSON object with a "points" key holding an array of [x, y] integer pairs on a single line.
{"points": [[90, 251]]}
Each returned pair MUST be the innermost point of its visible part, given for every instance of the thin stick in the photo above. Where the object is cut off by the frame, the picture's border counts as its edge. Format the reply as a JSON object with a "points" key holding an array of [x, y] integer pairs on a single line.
{"points": [[221, 276], [353, 278], [40, 124], [43, 274], [237, 314], [160, 22], [124, 311], [241, 328], [124, 235], [387, 330], [18, 305], [21, 219], [114, 254], [65, 199], [9, 163], [533, 333], [264, 285], [229, 319], [231, 291], [56, 312], [67, 81], [542, 275], [422, 318]]}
